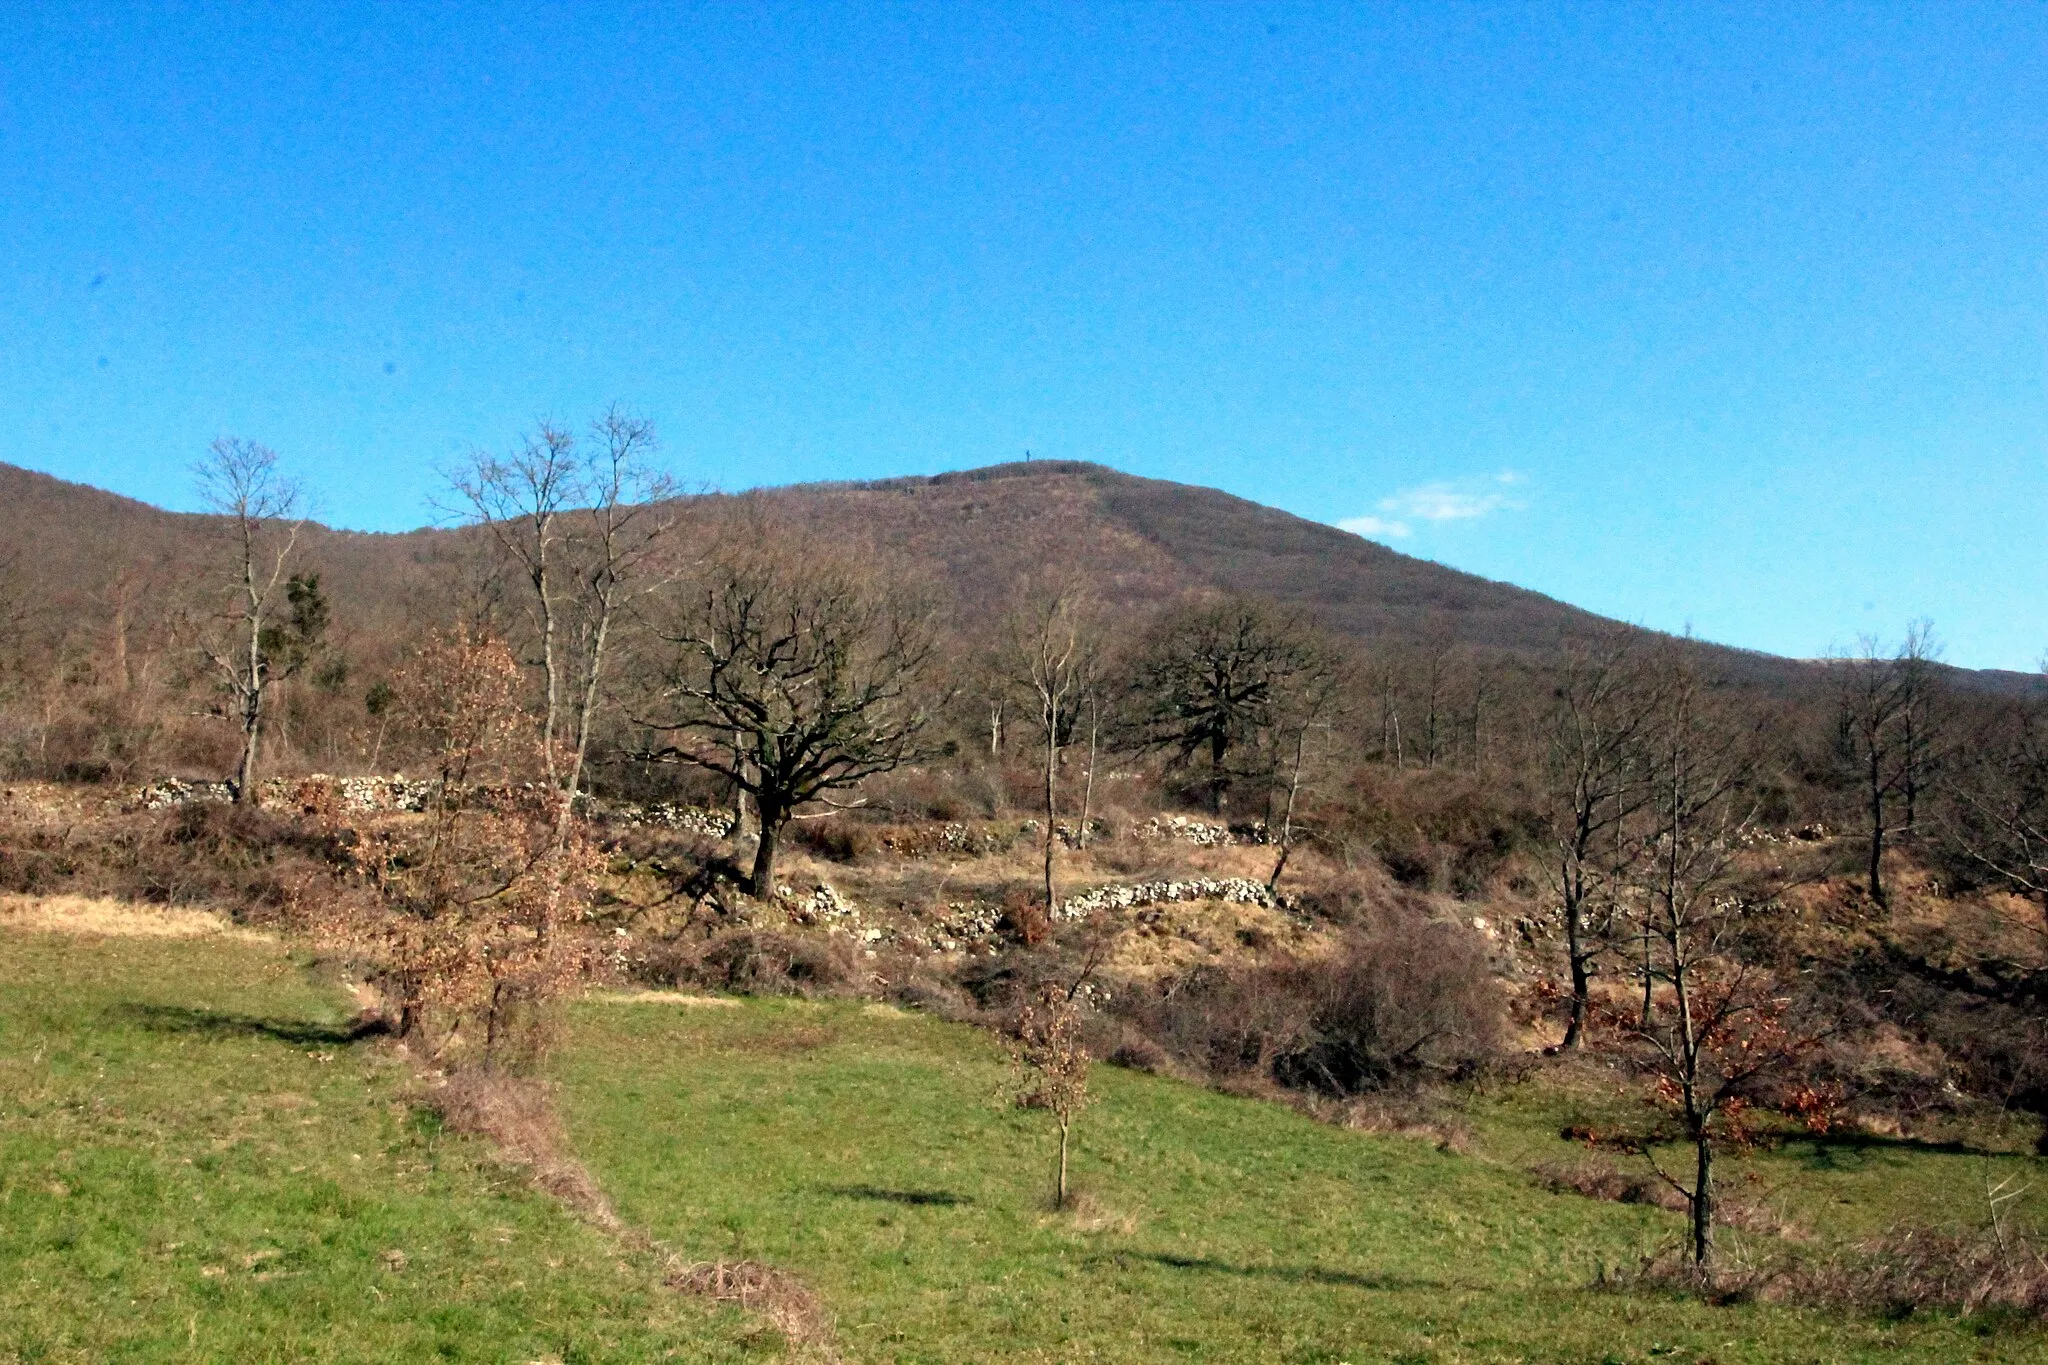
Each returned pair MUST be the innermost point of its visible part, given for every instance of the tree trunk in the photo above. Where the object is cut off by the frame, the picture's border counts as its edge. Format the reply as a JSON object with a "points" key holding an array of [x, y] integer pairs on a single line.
{"points": [[1052, 755], [1876, 826], [1060, 1195], [1287, 816], [247, 793], [1088, 788], [762, 881], [1703, 1202], [1218, 746], [1575, 950]]}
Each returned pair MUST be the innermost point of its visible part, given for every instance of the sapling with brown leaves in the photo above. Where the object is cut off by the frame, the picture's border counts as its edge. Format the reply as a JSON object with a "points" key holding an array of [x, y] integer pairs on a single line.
{"points": [[1719, 1027], [462, 915], [1050, 1066]]}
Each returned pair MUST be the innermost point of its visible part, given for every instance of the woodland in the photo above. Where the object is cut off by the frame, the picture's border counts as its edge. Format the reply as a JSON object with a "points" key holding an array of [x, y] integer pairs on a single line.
{"points": [[1132, 778]]}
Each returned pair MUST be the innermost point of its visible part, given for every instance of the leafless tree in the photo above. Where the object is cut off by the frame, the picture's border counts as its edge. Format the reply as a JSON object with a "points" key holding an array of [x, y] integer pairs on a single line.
{"points": [[274, 618], [1717, 1029], [1998, 806], [1209, 679], [1053, 652], [1433, 675], [1599, 721], [1886, 732], [1310, 704], [792, 673], [583, 521]]}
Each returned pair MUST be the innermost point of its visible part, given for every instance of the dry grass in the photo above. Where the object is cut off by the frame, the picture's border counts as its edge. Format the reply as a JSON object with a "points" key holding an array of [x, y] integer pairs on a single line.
{"points": [[684, 999], [781, 1298], [1894, 1276], [107, 918], [513, 1114]]}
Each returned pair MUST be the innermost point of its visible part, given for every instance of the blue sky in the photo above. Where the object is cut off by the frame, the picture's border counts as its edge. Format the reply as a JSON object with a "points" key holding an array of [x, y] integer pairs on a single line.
{"points": [[1735, 318]]}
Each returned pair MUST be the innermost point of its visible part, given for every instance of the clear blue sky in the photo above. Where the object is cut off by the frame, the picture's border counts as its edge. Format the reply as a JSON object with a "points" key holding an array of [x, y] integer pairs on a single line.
{"points": [[1691, 314]]}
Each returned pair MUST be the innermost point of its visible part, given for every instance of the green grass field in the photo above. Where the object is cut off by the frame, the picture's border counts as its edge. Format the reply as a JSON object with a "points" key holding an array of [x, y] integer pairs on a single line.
{"points": [[862, 1149], [194, 1165]]}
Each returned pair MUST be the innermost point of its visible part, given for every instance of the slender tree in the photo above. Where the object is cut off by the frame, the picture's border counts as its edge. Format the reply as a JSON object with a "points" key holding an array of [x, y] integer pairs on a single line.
{"points": [[1887, 732], [1717, 1028], [1311, 702], [1052, 1065], [1052, 658], [274, 618], [1598, 723], [583, 522]]}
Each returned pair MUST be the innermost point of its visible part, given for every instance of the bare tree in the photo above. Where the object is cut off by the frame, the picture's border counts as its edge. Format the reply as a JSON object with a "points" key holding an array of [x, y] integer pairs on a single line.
{"points": [[1598, 723], [1208, 681], [1311, 701], [1998, 806], [583, 522], [1885, 729], [1717, 1029], [258, 640], [793, 675], [1053, 655]]}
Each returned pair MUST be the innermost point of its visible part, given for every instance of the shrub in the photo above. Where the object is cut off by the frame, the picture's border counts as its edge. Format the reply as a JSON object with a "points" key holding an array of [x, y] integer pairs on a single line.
{"points": [[836, 839], [1404, 998], [759, 962]]}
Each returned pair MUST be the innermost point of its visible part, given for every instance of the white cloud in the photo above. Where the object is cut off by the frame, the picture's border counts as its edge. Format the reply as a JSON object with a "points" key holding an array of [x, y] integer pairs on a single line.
{"points": [[1374, 527], [1464, 500]]}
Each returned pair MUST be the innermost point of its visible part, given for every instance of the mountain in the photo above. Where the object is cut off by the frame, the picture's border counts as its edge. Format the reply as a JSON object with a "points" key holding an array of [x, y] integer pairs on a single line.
{"points": [[1143, 542]]}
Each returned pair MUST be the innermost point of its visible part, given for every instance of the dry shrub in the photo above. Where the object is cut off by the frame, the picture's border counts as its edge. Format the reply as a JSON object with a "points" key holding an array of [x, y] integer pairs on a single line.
{"points": [[465, 919], [1435, 830], [837, 839], [1024, 919], [1902, 1273], [1411, 1113], [781, 1298], [203, 854], [1402, 999], [758, 962], [1602, 1181]]}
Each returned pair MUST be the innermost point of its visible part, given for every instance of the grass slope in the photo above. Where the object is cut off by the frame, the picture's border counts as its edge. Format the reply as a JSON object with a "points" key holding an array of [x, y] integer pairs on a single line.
{"points": [[194, 1166], [862, 1149]]}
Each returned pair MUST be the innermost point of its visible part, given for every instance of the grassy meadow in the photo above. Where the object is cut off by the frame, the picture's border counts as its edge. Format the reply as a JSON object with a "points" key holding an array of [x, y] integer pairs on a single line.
{"points": [[197, 1164], [864, 1149]]}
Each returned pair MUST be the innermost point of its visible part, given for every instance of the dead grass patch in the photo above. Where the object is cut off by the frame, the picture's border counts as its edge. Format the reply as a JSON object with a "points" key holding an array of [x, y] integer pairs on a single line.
{"points": [[785, 1301], [1895, 1276], [684, 999], [103, 917], [513, 1114]]}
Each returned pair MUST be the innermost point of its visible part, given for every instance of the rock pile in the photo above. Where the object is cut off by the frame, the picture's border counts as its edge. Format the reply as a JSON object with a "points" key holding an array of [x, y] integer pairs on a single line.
{"points": [[166, 792], [1131, 895], [713, 824], [1203, 833]]}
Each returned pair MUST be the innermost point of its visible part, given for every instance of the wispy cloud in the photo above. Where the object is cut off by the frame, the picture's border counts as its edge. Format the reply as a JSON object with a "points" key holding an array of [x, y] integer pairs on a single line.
{"points": [[1444, 500]]}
